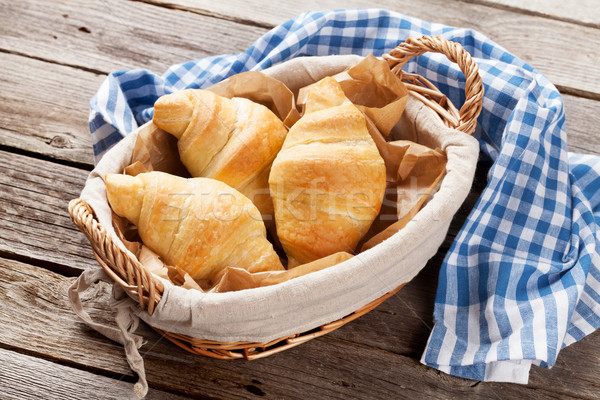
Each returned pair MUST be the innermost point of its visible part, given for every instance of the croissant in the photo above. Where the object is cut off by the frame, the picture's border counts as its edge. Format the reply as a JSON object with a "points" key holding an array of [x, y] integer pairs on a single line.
{"points": [[328, 180], [231, 140], [200, 225]]}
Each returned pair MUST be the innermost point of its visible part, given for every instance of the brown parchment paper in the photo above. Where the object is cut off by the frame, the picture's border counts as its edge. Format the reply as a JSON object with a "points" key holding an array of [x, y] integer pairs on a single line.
{"points": [[262, 89], [156, 150], [419, 173], [413, 171], [374, 89]]}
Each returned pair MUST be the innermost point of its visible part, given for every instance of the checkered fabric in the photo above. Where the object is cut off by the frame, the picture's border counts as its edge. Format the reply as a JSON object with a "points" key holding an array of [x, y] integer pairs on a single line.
{"points": [[522, 279]]}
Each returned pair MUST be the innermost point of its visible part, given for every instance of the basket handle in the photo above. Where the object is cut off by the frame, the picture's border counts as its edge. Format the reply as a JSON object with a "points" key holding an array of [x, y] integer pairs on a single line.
{"points": [[120, 265], [470, 110]]}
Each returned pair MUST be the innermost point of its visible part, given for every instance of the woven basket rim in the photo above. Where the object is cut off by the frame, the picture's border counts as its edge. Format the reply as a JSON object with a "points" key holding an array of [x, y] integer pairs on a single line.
{"points": [[147, 289]]}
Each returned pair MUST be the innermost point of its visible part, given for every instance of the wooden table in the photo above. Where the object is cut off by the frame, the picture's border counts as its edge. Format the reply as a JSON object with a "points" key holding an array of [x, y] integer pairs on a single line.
{"points": [[54, 55]]}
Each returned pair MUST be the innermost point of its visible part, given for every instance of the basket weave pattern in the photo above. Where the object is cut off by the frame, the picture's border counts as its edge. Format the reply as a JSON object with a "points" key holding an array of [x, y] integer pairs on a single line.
{"points": [[140, 284]]}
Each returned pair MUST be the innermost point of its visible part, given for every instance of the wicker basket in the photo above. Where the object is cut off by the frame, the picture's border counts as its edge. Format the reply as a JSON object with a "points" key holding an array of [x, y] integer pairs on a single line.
{"points": [[147, 289]]}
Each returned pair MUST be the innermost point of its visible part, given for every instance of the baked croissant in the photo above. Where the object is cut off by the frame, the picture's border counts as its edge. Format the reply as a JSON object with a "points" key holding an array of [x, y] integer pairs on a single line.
{"points": [[328, 180], [231, 140], [200, 225]]}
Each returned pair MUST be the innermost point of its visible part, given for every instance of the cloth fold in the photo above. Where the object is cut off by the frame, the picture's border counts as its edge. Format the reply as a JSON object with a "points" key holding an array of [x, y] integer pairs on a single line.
{"points": [[126, 319], [522, 279]]}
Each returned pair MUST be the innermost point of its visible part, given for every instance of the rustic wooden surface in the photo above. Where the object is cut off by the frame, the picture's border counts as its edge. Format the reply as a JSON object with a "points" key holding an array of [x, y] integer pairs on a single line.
{"points": [[54, 57]]}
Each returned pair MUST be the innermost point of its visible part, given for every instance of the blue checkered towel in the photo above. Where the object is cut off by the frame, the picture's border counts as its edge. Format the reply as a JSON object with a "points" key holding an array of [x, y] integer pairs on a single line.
{"points": [[522, 279]]}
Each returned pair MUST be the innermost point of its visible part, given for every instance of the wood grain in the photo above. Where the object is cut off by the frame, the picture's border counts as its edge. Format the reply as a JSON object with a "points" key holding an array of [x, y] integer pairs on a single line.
{"points": [[34, 221], [582, 12], [23, 377], [46, 116], [582, 122], [534, 39], [109, 35], [37, 319]]}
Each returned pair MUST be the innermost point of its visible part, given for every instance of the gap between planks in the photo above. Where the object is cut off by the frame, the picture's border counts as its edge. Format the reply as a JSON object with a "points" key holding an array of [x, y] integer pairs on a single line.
{"points": [[24, 377], [53, 61]]}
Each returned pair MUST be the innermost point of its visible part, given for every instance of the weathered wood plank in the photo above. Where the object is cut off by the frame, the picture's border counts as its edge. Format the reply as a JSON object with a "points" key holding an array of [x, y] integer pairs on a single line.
{"points": [[34, 221], [46, 116], [23, 377], [582, 12], [530, 37], [583, 119], [37, 319], [111, 34]]}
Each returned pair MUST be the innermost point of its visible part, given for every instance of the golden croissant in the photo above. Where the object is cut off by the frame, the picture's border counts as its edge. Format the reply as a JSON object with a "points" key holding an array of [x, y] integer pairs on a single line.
{"points": [[200, 225], [231, 140], [328, 180]]}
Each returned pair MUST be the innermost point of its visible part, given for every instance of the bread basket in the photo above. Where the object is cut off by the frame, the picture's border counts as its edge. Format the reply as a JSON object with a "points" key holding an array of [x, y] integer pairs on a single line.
{"points": [[147, 290]]}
